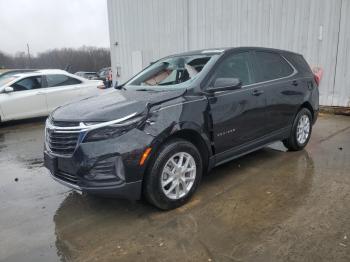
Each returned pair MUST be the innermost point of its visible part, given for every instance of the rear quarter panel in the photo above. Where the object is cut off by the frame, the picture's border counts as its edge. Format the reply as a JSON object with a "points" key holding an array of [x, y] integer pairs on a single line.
{"points": [[306, 76]]}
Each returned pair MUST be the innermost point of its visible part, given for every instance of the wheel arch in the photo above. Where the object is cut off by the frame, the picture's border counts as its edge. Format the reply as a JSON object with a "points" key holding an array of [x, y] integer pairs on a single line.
{"points": [[308, 106], [186, 132], [197, 140]]}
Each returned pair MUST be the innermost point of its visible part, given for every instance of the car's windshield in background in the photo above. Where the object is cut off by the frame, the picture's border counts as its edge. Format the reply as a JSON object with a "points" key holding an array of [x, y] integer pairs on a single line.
{"points": [[6, 79], [170, 72]]}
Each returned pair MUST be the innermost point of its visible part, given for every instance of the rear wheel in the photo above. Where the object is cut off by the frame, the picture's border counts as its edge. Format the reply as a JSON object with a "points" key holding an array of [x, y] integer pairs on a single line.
{"points": [[301, 131], [174, 174]]}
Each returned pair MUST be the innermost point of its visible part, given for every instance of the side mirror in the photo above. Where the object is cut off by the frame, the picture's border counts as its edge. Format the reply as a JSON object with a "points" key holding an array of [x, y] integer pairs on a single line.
{"points": [[8, 89], [225, 83]]}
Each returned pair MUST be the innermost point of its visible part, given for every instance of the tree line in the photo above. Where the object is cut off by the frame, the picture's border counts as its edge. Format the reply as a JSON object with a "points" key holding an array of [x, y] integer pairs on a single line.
{"points": [[70, 59]]}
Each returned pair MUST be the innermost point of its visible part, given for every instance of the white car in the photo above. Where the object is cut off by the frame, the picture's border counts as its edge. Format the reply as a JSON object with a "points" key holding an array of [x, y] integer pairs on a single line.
{"points": [[34, 94]]}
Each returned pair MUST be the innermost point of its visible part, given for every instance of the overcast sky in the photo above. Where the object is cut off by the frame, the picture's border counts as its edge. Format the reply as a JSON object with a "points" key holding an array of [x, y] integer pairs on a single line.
{"points": [[48, 24]]}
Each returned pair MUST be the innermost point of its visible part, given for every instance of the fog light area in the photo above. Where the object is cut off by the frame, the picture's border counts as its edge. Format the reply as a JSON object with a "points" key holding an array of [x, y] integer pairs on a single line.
{"points": [[107, 169]]}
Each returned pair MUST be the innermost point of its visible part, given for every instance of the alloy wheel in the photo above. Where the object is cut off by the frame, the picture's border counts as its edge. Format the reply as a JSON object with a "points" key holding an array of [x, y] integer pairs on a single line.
{"points": [[303, 129], [178, 175]]}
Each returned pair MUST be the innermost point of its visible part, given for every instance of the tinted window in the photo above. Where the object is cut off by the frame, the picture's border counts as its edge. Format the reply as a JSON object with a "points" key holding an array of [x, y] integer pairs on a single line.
{"points": [[61, 80], [271, 66], [235, 66], [28, 83], [299, 62]]}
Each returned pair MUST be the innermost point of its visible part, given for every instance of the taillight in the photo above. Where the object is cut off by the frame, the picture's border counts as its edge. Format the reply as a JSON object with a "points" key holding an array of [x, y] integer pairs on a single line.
{"points": [[318, 72]]}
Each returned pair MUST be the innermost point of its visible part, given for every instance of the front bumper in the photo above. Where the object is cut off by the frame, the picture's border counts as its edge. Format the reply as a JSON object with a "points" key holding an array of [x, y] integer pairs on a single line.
{"points": [[130, 191], [108, 167]]}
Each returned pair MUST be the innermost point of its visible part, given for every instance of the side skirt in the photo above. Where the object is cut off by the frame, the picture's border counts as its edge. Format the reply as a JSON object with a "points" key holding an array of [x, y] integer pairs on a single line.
{"points": [[247, 148]]}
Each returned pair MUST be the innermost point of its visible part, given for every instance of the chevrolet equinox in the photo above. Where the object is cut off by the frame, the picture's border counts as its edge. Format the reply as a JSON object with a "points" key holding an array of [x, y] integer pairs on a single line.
{"points": [[158, 133]]}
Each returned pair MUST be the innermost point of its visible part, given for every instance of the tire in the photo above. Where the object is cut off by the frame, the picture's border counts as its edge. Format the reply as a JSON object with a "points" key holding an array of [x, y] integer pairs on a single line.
{"points": [[295, 142], [161, 170]]}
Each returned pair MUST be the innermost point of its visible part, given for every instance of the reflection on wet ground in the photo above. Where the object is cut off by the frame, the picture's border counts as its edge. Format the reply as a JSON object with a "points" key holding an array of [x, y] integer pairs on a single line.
{"points": [[270, 205]]}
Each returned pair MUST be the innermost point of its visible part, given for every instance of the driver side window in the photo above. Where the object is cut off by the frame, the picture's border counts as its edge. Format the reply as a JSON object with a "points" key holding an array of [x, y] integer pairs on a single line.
{"points": [[235, 66], [28, 83]]}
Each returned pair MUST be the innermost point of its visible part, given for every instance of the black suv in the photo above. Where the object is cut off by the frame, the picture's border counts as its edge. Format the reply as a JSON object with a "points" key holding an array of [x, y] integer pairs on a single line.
{"points": [[179, 118]]}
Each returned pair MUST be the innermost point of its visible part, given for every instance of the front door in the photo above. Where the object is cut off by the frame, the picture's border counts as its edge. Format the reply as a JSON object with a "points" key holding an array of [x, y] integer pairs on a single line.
{"points": [[26, 101], [238, 116]]}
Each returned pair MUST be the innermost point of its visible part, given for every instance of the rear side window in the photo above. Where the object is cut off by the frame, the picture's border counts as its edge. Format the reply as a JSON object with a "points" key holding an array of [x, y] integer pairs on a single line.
{"points": [[300, 63], [61, 80], [271, 66]]}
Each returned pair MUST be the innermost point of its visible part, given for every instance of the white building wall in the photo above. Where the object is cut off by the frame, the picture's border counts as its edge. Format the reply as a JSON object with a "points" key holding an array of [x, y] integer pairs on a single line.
{"points": [[341, 91], [314, 28], [154, 27]]}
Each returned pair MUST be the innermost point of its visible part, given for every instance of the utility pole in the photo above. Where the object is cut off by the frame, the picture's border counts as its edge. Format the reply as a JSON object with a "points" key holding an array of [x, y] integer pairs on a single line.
{"points": [[29, 60]]}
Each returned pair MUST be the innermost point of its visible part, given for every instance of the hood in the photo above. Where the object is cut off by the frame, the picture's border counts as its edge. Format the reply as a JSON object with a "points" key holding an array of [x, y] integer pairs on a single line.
{"points": [[112, 105]]}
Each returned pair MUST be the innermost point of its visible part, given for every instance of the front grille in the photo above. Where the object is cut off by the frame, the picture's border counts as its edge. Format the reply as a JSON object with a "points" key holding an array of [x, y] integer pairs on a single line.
{"points": [[65, 123], [61, 143], [66, 177]]}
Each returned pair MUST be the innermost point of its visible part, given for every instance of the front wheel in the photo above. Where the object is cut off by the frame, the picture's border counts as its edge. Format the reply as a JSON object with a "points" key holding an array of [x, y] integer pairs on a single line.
{"points": [[174, 175], [301, 131]]}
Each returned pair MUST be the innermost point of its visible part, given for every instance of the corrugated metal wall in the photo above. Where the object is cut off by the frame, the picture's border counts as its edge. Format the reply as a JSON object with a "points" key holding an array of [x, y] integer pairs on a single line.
{"points": [[311, 27], [341, 92]]}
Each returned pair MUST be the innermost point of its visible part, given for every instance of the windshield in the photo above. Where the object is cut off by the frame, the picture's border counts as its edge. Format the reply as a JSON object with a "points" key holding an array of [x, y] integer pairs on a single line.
{"points": [[171, 72], [6, 79]]}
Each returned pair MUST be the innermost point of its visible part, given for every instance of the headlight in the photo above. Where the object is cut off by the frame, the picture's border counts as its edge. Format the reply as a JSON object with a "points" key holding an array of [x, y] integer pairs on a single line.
{"points": [[113, 130]]}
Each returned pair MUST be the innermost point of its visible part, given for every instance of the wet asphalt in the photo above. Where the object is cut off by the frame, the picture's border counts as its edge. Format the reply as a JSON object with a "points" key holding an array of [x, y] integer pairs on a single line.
{"points": [[270, 205]]}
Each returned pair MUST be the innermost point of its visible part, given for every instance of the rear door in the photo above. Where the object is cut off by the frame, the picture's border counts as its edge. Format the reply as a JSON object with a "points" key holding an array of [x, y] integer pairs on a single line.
{"points": [[276, 76], [26, 101], [61, 89], [238, 116]]}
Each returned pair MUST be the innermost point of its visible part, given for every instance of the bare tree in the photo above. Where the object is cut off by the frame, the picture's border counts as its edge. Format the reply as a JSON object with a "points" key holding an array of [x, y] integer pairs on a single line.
{"points": [[78, 59]]}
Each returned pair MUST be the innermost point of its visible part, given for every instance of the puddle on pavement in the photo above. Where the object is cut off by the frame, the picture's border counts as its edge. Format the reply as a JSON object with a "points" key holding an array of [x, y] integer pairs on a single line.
{"points": [[34, 163], [208, 229], [278, 146]]}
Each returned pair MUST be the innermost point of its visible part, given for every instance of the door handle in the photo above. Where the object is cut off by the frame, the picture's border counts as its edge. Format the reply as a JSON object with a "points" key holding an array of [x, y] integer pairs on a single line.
{"points": [[40, 93], [257, 92], [295, 83]]}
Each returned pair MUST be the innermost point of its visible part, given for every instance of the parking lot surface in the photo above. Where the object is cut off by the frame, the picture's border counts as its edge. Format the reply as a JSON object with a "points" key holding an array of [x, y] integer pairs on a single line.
{"points": [[270, 205]]}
